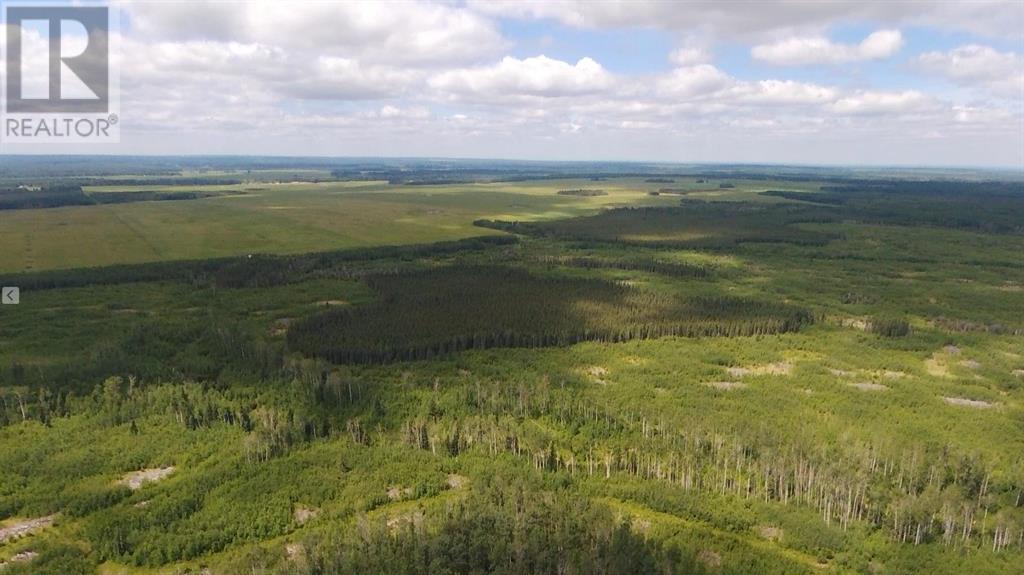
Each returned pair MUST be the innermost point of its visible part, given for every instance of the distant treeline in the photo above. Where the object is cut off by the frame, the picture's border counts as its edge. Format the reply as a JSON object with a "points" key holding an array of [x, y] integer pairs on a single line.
{"points": [[72, 195], [648, 264], [582, 192], [995, 207], [46, 197], [426, 314], [163, 181], [258, 270], [695, 224], [148, 196]]}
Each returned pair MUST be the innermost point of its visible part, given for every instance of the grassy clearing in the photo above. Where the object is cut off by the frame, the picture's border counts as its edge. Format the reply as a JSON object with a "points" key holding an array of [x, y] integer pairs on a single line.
{"points": [[282, 218]]}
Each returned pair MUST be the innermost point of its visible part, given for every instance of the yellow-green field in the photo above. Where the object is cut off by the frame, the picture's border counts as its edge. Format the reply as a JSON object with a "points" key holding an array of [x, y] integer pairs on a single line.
{"points": [[261, 217]]}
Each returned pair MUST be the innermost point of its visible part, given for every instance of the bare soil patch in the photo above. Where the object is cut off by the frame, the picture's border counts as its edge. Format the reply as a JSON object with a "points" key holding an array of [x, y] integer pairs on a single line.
{"points": [[841, 372], [456, 481], [768, 532], [302, 514], [855, 323], [890, 374], [776, 368], [963, 401], [18, 529], [397, 492], [936, 367], [641, 525], [295, 551], [866, 386], [709, 558], [23, 557], [136, 479], [398, 521], [726, 385], [597, 374], [970, 364], [331, 302], [280, 326]]}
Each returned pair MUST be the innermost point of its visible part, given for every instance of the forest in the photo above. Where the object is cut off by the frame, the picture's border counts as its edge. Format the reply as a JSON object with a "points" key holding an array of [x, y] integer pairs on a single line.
{"points": [[807, 372], [438, 312]]}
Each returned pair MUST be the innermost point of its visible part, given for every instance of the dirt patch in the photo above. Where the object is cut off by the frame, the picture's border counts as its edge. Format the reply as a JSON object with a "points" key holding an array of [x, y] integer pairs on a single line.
{"points": [[332, 302], [415, 518], [136, 479], [855, 323], [709, 558], [641, 525], [938, 364], [398, 492], [596, 373], [295, 551], [18, 529], [776, 368], [890, 374], [456, 481], [936, 367], [280, 326], [1018, 372], [866, 386], [768, 532], [23, 557], [963, 401], [841, 373], [726, 385], [302, 514]]}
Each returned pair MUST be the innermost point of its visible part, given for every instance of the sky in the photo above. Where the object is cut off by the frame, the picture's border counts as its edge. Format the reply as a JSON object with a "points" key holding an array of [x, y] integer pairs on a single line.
{"points": [[821, 82]]}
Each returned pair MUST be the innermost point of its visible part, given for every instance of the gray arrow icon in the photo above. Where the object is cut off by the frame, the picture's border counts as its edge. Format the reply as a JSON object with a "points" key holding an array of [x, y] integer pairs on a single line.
{"points": [[10, 296]]}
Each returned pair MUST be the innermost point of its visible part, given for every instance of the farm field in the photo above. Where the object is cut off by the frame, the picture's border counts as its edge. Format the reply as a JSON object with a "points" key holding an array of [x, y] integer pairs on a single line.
{"points": [[296, 217], [357, 376]]}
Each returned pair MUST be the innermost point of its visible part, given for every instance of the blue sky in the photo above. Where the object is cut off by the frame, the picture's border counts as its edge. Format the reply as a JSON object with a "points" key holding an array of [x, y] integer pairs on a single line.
{"points": [[843, 82]]}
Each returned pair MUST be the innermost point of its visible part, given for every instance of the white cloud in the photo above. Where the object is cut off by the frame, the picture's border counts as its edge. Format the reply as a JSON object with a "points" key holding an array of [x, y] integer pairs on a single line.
{"points": [[1002, 73], [413, 112], [881, 102], [798, 51], [429, 78], [396, 32], [232, 66], [689, 56], [694, 81], [786, 92], [538, 76], [1004, 18]]}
